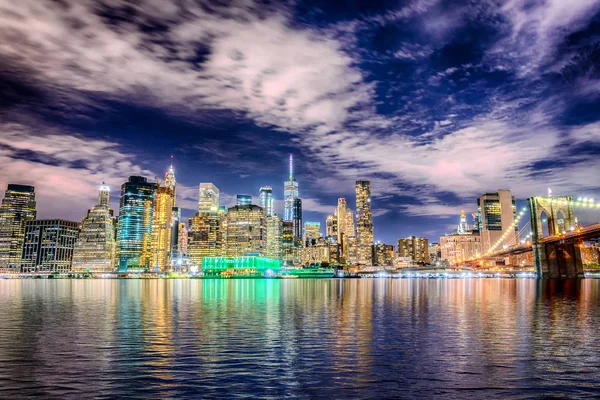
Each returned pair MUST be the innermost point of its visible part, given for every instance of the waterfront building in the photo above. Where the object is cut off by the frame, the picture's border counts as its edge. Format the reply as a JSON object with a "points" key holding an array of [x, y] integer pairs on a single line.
{"points": [[182, 242], [345, 223], [415, 248], [175, 221], [457, 248], [384, 254], [48, 245], [163, 219], [274, 237], [290, 193], [351, 250], [95, 246], [18, 207], [290, 245], [434, 252], [312, 231], [243, 200], [496, 215], [297, 219], [265, 200], [331, 226], [316, 252], [208, 198], [246, 231], [205, 237], [364, 222], [134, 232]]}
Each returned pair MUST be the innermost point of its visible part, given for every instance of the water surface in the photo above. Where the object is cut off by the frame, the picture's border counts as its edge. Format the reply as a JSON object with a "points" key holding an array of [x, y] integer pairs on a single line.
{"points": [[327, 338]]}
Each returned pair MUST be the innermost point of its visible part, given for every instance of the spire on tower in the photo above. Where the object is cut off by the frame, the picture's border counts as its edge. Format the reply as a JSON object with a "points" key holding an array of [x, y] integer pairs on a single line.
{"points": [[291, 167]]}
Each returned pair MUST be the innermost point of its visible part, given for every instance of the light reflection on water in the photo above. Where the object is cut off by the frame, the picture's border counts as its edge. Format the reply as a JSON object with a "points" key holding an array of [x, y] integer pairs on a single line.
{"points": [[419, 338]]}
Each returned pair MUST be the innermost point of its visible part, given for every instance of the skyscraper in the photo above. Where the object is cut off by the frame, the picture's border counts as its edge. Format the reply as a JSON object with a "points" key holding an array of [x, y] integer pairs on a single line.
{"points": [[205, 236], [415, 248], [182, 240], [163, 218], [364, 223], [243, 200], [18, 207], [95, 247], [312, 231], [48, 245], [331, 227], [345, 223], [496, 214], [134, 232], [274, 237], [209, 198], [290, 193], [265, 200], [246, 230], [297, 218]]}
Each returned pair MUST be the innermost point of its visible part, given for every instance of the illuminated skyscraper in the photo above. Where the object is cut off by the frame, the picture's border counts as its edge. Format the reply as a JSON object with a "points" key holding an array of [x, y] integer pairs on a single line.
{"points": [[496, 214], [289, 250], [243, 200], [95, 246], [48, 245], [331, 227], [182, 242], [175, 221], [246, 230], [205, 237], [384, 254], [414, 247], [265, 200], [463, 227], [297, 218], [274, 237], [351, 250], [345, 223], [209, 198], [163, 218], [134, 232], [364, 223], [290, 193], [312, 231], [18, 207]]}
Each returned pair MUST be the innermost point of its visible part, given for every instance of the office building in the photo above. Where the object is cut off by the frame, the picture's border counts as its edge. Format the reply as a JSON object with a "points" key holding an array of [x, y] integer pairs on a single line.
{"points": [[274, 237], [496, 215], [290, 245], [246, 231], [290, 193], [350, 250], [95, 247], [182, 240], [384, 254], [162, 223], [457, 248], [243, 200], [297, 219], [345, 223], [175, 221], [205, 237], [48, 245], [208, 198], [364, 223], [415, 248], [331, 227], [134, 232], [18, 207], [265, 200]]}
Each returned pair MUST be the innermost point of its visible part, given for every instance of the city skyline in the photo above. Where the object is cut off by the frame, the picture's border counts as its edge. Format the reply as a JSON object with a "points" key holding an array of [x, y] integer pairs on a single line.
{"points": [[434, 103]]}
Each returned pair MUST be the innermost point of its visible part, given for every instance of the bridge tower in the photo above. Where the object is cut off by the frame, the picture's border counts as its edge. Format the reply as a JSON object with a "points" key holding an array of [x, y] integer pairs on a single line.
{"points": [[559, 259]]}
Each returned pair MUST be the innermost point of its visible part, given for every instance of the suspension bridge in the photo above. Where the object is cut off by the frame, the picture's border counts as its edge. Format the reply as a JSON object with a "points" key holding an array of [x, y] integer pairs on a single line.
{"points": [[556, 254]]}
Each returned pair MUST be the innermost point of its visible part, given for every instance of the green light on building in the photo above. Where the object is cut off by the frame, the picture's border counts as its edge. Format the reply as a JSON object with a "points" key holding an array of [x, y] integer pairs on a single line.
{"points": [[259, 264]]}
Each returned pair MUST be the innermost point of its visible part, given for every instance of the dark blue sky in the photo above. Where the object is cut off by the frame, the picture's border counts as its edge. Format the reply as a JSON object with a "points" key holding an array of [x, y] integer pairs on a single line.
{"points": [[436, 102]]}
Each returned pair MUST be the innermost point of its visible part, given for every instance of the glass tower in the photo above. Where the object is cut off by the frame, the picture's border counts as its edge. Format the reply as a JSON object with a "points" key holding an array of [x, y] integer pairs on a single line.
{"points": [[209, 198], [243, 200], [290, 193], [136, 214], [18, 207], [265, 200], [364, 223]]}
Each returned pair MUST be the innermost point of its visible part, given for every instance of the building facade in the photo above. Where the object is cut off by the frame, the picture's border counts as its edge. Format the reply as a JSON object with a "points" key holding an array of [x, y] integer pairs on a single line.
{"points": [[18, 207], [246, 231], [95, 247], [134, 232], [274, 237], [265, 200], [290, 194], [331, 226], [312, 231], [164, 203], [297, 218], [384, 254], [496, 214], [364, 223], [243, 200], [208, 198], [48, 245], [457, 248], [414, 247], [205, 237]]}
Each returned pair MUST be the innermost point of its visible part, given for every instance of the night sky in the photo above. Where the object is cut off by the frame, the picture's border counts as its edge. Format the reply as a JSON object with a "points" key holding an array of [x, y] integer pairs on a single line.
{"points": [[436, 102]]}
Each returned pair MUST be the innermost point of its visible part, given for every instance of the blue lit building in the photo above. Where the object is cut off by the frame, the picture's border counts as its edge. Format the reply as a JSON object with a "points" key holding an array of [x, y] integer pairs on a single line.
{"points": [[292, 211], [243, 200]]}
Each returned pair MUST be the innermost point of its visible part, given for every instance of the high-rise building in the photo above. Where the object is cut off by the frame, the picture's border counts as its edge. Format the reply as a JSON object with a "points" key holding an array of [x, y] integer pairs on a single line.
{"points": [[209, 198], [175, 221], [243, 200], [18, 207], [345, 223], [274, 237], [48, 245], [265, 200], [134, 232], [364, 222], [163, 219], [383, 254], [297, 219], [312, 231], [414, 247], [457, 248], [182, 242], [95, 246], [205, 237], [289, 251], [496, 215], [246, 231], [290, 193], [331, 227], [351, 250]]}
